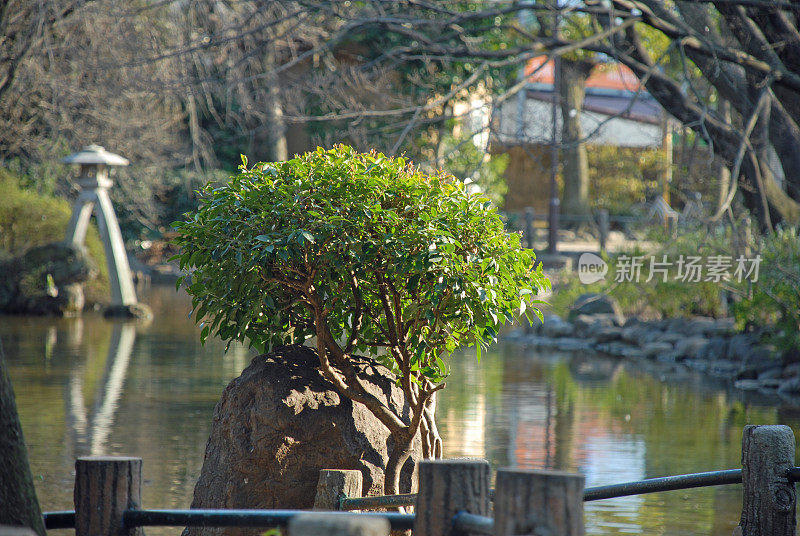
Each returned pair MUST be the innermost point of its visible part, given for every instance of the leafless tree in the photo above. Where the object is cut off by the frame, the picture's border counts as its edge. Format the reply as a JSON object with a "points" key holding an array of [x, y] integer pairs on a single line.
{"points": [[757, 70], [199, 81], [70, 75]]}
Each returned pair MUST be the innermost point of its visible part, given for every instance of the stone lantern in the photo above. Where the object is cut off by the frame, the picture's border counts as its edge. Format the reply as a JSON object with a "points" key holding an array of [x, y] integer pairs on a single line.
{"points": [[94, 183]]}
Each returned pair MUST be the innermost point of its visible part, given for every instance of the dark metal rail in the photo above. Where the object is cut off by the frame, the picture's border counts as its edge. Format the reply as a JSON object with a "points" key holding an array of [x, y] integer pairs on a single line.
{"points": [[667, 483], [794, 474], [466, 523], [236, 518], [381, 501], [59, 520], [212, 518], [650, 485]]}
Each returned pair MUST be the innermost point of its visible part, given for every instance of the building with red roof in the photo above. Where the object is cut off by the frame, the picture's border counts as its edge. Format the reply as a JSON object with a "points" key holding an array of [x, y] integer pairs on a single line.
{"points": [[617, 110]]}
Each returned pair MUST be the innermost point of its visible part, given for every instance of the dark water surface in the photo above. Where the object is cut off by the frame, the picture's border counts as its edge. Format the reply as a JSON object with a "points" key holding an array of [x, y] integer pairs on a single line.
{"points": [[92, 386]]}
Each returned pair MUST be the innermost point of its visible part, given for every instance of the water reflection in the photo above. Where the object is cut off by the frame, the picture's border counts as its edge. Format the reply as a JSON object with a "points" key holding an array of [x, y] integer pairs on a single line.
{"points": [[93, 386], [89, 431], [613, 422]]}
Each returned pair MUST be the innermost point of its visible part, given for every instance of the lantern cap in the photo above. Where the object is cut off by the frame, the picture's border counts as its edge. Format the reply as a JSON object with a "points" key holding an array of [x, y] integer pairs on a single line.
{"points": [[94, 154]]}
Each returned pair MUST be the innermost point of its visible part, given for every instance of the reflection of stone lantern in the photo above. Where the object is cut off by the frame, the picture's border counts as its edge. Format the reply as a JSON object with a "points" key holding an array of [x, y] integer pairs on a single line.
{"points": [[94, 183]]}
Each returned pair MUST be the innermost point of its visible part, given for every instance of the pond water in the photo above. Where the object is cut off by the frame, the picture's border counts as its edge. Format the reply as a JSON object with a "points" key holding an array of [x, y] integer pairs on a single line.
{"points": [[92, 386]]}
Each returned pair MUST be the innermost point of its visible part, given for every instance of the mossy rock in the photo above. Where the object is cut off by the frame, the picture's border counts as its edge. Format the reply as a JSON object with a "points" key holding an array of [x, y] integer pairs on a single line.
{"points": [[46, 280], [29, 220]]}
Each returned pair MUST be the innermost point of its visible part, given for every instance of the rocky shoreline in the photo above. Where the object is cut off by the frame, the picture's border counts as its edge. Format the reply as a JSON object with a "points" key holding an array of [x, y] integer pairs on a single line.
{"points": [[706, 345]]}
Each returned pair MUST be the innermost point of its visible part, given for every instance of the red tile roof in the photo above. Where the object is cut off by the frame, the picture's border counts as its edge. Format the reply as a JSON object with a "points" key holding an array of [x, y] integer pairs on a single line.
{"points": [[604, 76]]}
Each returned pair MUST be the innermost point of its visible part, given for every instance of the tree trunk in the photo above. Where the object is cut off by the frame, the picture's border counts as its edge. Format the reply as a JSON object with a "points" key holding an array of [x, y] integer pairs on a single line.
{"points": [[723, 137], [782, 207], [17, 494], [402, 445], [275, 149], [575, 161], [731, 84], [431, 440]]}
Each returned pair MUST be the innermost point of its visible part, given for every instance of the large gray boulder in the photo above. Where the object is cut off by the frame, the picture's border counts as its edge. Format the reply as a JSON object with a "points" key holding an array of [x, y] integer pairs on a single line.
{"points": [[590, 304], [46, 280], [554, 327], [279, 423]]}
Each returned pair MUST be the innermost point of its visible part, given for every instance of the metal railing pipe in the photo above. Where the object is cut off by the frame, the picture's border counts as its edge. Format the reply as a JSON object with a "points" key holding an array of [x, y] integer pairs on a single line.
{"points": [[59, 520], [381, 501], [236, 518], [667, 483], [466, 523]]}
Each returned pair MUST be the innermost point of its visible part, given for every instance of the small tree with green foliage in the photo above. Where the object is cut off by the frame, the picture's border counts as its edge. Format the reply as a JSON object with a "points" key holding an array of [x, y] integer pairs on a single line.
{"points": [[368, 255]]}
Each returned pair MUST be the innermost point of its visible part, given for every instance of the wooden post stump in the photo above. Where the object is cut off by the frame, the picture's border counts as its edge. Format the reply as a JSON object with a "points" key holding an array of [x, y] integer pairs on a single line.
{"points": [[529, 228], [447, 487], [333, 485], [338, 524], [105, 487], [769, 502], [538, 503], [604, 227]]}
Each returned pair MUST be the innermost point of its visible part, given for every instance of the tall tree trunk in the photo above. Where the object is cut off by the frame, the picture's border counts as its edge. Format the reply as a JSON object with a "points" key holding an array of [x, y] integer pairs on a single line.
{"points": [[574, 160], [759, 141], [723, 136], [276, 149], [402, 446], [731, 84], [18, 503]]}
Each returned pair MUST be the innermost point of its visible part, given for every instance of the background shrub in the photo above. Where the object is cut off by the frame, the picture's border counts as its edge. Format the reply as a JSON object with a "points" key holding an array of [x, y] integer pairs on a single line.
{"points": [[28, 219], [774, 299]]}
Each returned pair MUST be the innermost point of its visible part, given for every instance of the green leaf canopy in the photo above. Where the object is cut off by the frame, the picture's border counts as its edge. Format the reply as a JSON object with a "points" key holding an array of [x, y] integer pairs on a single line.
{"points": [[391, 262]]}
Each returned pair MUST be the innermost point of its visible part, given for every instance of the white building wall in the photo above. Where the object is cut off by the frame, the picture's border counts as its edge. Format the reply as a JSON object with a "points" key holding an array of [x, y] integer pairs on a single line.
{"points": [[601, 129]]}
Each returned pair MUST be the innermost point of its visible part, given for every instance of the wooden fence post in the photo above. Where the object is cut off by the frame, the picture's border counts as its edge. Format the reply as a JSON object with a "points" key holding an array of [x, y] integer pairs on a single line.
{"points": [[768, 505], [105, 487], [538, 503], [604, 227], [338, 524], [529, 228], [333, 485], [447, 487]]}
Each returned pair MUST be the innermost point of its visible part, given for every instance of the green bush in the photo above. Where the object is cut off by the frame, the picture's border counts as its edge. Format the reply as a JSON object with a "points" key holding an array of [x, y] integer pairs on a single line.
{"points": [[43, 172], [28, 219], [621, 177], [774, 299], [368, 255], [767, 300], [659, 298]]}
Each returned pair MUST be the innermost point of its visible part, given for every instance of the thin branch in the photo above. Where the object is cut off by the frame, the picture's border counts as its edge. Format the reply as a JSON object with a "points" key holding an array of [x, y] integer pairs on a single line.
{"points": [[743, 146], [350, 386], [358, 316]]}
